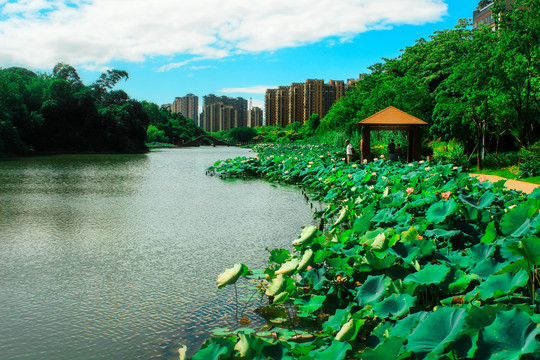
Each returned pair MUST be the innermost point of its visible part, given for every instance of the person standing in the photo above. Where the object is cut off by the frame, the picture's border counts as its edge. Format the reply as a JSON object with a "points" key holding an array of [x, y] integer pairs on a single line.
{"points": [[349, 151], [398, 153], [392, 150]]}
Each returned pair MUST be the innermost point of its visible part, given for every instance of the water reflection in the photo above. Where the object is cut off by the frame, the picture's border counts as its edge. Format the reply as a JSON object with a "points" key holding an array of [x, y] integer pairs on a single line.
{"points": [[105, 256]]}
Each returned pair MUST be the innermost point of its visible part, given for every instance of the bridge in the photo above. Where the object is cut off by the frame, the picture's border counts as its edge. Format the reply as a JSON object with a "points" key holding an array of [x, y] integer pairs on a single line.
{"points": [[197, 141]]}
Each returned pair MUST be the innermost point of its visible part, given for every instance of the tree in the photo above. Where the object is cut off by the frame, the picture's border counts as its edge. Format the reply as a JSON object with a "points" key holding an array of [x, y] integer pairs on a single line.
{"points": [[242, 134]]}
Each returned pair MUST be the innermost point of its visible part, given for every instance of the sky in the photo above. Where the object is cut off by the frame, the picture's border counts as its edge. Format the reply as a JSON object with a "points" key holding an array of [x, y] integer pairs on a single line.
{"points": [[224, 47]]}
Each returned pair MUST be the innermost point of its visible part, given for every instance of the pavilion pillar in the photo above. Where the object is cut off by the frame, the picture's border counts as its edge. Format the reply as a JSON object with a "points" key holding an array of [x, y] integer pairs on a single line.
{"points": [[415, 135], [366, 143], [410, 145]]}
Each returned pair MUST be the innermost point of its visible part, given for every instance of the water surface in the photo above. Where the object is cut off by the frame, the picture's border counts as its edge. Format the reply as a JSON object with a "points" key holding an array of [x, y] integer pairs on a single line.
{"points": [[116, 256]]}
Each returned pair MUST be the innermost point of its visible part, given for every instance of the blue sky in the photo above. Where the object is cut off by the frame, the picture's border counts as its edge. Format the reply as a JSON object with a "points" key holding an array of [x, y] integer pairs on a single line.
{"points": [[226, 47]]}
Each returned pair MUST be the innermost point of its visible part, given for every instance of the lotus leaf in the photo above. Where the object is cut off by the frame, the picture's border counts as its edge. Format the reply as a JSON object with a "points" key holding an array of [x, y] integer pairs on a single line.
{"points": [[281, 298], [306, 236], [310, 304], [528, 248], [349, 331], [500, 285], [430, 274], [307, 259], [230, 276], [279, 256], [362, 224], [437, 332], [394, 306], [510, 336], [491, 234], [341, 217], [383, 262], [463, 282], [372, 290], [336, 351], [335, 321], [516, 221], [485, 200], [441, 233], [215, 349], [289, 267], [182, 353], [388, 350], [276, 285], [249, 346], [439, 211]]}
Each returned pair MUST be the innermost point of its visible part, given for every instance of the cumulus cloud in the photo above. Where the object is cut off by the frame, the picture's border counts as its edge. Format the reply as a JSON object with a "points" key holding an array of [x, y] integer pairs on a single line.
{"points": [[93, 33]]}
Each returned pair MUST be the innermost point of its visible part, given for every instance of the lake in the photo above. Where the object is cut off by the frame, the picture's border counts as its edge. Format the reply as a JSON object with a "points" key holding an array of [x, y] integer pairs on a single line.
{"points": [[116, 256]]}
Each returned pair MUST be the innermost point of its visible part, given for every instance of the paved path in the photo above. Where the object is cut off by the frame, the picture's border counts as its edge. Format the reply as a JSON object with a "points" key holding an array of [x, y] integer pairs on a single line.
{"points": [[511, 184]]}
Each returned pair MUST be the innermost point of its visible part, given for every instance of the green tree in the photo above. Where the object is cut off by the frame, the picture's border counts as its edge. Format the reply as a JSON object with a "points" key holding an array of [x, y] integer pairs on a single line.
{"points": [[242, 134]]}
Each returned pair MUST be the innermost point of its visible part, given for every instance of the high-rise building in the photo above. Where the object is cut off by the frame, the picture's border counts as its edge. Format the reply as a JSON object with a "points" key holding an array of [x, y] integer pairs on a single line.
{"points": [[187, 106], [483, 15], [255, 116], [223, 113], [297, 102]]}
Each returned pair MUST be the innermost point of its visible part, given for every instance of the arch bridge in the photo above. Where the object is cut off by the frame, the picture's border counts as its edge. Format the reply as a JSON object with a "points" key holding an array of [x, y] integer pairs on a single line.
{"points": [[197, 141]]}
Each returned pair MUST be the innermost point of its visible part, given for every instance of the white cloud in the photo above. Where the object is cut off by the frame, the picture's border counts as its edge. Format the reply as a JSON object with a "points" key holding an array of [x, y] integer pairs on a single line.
{"points": [[39, 33], [259, 89]]}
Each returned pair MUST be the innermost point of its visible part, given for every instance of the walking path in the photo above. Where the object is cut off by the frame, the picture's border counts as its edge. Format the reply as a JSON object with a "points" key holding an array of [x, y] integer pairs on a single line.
{"points": [[511, 184]]}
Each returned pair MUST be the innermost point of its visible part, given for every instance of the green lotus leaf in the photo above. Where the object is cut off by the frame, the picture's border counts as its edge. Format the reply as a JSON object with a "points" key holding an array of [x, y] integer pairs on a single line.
{"points": [[362, 224], [276, 285], [281, 297], [439, 211], [516, 221], [372, 290], [306, 236], [336, 351], [215, 349], [388, 350], [528, 248], [434, 334], [441, 233], [409, 235], [307, 259], [484, 201], [279, 256], [394, 306], [335, 321], [376, 262], [249, 346], [349, 331], [430, 274], [509, 337], [500, 285], [311, 304], [463, 282], [480, 317], [341, 217], [289, 267], [490, 235], [488, 267], [230, 276]]}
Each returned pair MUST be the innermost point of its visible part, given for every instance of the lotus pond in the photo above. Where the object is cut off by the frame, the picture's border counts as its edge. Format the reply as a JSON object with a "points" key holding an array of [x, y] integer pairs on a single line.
{"points": [[410, 261]]}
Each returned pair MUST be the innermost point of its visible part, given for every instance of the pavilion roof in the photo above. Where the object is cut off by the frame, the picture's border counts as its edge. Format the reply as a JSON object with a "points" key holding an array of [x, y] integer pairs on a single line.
{"points": [[392, 116]]}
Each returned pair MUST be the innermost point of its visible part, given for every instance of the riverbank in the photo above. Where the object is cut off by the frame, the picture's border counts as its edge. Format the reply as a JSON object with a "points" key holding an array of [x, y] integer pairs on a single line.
{"points": [[405, 249]]}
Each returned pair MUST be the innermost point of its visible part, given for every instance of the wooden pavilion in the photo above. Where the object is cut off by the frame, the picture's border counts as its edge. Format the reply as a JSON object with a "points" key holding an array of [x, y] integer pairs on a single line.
{"points": [[392, 119]]}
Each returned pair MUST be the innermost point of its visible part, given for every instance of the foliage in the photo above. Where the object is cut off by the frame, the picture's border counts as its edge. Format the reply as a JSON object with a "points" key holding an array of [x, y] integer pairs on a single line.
{"points": [[478, 86], [58, 113], [241, 134], [415, 261]]}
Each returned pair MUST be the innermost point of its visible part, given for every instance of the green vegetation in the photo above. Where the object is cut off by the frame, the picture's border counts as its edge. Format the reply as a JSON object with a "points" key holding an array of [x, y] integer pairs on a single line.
{"points": [[415, 261], [477, 89], [57, 113]]}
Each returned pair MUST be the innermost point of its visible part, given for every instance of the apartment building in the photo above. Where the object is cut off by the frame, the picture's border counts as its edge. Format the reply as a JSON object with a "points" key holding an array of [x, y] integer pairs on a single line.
{"points": [[188, 106], [223, 113], [297, 102], [483, 15], [255, 117]]}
